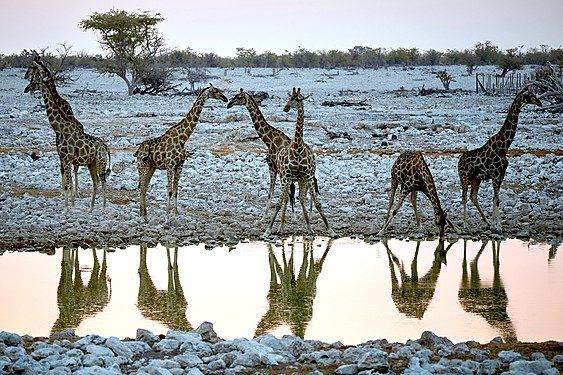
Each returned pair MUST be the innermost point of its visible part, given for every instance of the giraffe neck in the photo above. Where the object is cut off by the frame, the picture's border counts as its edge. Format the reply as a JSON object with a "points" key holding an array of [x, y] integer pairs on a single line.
{"points": [[61, 104], [432, 194], [506, 134], [262, 127], [52, 112], [297, 140], [187, 125]]}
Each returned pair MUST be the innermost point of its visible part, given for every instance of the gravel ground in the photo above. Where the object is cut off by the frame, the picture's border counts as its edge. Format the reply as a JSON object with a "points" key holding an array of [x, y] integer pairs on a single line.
{"points": [[224, 183], [202, 352]]}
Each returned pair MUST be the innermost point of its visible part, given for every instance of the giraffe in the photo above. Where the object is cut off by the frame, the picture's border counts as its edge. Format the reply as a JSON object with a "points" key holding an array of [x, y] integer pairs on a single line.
{"points": [[63, 106], [415, 293], [489, 161], [411, 172], [77, 300], [165, 306], [296, 163], [292, 294], [167, 152], [75, 146], [274, 138], [485, 299]]}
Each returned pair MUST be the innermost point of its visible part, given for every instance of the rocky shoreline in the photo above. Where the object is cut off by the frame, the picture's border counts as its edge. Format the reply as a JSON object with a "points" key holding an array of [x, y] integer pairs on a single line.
{"points": [[223, 186], [202, 352]]}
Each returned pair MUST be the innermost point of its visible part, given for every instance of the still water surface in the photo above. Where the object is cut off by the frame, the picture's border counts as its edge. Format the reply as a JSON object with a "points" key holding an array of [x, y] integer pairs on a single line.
{"points": [[345, 290]]}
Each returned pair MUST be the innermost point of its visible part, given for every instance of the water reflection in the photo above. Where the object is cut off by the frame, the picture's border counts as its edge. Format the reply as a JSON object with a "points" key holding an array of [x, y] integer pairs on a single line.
{"points": [[165, 306], [76, 300], [291, 298], [489, 302], [343, 289], [553, 249], [413, 294]]}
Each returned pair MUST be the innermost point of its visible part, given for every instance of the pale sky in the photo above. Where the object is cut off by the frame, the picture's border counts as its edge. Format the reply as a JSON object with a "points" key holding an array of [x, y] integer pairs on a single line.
{"points": [[220, 26]]}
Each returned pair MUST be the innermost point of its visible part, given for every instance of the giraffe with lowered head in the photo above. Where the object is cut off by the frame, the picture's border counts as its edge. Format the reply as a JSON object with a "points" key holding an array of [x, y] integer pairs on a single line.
{"points": [[167, 151], [75, 146], [411, 172], [489, 161], [296, 163]]}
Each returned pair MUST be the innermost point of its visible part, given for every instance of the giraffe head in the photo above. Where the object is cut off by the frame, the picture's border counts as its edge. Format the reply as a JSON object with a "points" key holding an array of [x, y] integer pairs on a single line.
{"points": [[528, 97], [443, 223], [33, 74], [213, 93], [239, 99], [295, 98]]}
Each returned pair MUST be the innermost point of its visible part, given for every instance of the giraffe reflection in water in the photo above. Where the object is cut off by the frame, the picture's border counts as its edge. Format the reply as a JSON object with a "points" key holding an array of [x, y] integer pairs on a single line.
{"points": [[166, 306], [413, 295], [291, 298], [488, 302], [77, 301]]}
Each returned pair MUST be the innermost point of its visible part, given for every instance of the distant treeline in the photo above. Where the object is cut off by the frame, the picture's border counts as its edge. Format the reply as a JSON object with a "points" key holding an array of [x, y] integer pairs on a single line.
{"points": [[358, 57]]}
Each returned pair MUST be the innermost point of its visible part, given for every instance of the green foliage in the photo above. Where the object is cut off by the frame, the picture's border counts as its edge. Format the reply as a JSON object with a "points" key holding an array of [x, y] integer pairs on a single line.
{"points": [[511, 60], [487, 53], [470, 60], [356, 57], [131, 41]]}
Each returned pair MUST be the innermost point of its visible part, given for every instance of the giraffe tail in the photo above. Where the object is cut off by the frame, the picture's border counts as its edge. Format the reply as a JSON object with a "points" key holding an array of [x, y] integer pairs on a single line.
{"points": [[108, 170], [316, 185], [292, 196]]}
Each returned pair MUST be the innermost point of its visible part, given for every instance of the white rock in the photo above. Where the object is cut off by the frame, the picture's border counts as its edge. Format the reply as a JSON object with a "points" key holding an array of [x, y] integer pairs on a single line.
{"points": [[347, 370], [167, 345], [118, 347], [188, 360], [100, 351]]}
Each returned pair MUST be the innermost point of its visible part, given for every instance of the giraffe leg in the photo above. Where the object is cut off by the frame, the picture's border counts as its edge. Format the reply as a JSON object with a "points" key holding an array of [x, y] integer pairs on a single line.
{"points": [[76, 192], [303, 200], [65, 171], [177, 174], [70, 187], [94, 175], [63, 182], [318, 206], [473, 196], [102, 179], [392, 192], [496, 204], [282, 202], [402, 196], [170, 176], [416, 216], [145, 175], [464, 187], [273, 175], [282, 219]]}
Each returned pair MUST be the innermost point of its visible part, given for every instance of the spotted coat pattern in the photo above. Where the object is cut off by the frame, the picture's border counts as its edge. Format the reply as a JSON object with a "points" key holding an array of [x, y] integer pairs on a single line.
{"points": [[489, 161], [273, 138], [167, 152], [62, 105], [296, 163], [411, 173], [75, 146]]}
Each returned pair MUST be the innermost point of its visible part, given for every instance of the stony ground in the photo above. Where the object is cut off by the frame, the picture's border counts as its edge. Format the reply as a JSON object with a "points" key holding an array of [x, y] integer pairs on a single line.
{"points": [[224, 182], [223, 193], [202, 352]]}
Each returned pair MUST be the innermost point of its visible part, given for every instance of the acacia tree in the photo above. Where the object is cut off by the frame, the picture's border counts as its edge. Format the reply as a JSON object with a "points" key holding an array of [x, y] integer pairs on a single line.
{"points": [[132, 42], [470, 60], [511, 60]]}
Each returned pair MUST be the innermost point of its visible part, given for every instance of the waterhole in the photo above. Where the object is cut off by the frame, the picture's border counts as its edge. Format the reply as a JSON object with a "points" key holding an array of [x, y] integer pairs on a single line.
{"points": [[331, 290]]}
